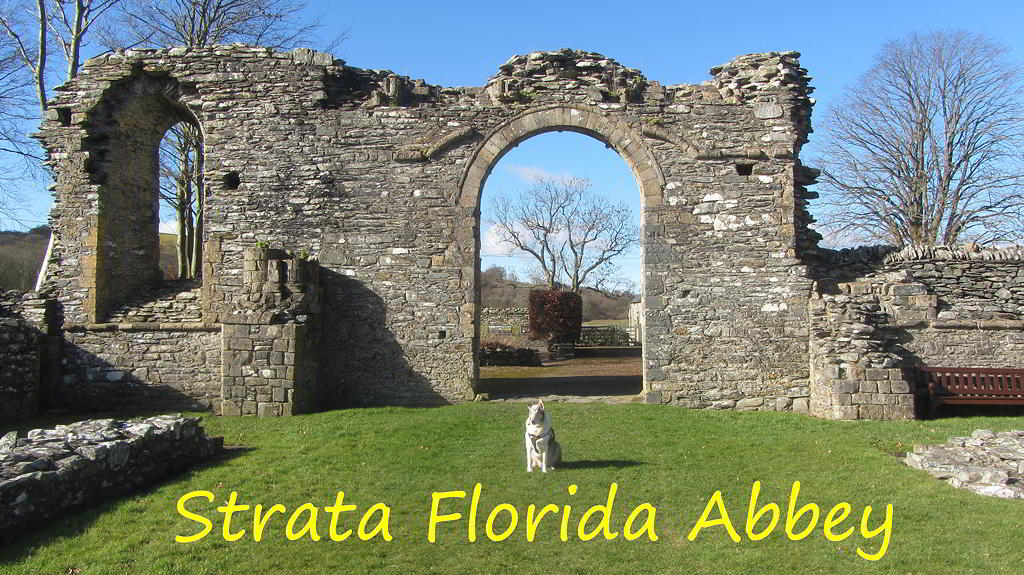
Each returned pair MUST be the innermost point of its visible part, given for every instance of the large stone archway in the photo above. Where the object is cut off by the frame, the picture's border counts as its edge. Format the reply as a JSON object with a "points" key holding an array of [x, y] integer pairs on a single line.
{"points": [[585, 120]]}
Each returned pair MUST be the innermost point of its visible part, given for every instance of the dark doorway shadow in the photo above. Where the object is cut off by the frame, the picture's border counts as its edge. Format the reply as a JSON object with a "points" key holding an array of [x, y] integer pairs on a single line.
{"points": [[573, 385]]}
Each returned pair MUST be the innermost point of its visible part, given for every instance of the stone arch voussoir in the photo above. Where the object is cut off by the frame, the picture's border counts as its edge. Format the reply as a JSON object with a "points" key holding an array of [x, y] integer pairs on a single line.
{"points": [[593, 122]]}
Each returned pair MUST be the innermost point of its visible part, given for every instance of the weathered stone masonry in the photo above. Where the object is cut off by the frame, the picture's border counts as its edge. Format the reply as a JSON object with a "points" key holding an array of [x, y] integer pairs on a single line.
{"points": [[378, 178]]}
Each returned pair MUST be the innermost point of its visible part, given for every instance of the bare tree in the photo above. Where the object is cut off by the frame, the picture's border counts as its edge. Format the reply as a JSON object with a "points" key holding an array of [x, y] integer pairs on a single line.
{"points": [[70, 24], [181, 188], [573, 234], [927, 147], [16, 110], [29, 26], [164, 23]]}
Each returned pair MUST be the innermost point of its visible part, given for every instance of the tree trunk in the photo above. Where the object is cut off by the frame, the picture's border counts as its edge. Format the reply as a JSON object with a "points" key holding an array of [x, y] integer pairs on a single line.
{"points": [[40, 71], [197, 240], [76, 39]]}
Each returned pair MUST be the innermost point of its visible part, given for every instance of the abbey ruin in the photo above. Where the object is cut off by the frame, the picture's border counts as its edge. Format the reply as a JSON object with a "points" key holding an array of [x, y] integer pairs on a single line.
{"points": [[341, 236]]}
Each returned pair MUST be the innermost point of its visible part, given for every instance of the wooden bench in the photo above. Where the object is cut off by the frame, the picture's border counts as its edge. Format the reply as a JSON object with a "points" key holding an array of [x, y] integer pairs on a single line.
{"points": [[971, 386]]}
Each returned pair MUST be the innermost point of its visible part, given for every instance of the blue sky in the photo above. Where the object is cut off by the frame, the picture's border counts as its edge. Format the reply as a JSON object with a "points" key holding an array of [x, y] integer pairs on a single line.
{"points": [[463, 43]]}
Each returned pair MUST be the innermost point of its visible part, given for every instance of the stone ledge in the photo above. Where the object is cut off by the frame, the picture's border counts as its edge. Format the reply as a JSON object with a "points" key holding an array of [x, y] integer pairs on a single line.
{"points": [[971, 324], [143, 326]]}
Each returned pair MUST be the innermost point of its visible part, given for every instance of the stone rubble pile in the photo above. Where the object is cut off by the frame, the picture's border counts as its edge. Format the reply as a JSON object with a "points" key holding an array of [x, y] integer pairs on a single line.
{"points": [[987, 463], [50, 471]]}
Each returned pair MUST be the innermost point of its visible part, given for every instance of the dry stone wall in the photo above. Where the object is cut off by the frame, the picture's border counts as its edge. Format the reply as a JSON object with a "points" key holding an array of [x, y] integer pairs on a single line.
{"points": [[49, 472], [948, 307], [494, 320]]}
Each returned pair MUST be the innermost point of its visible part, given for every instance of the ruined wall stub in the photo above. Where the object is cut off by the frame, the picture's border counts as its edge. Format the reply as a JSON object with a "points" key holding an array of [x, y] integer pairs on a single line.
{"points": [[379, 178]]}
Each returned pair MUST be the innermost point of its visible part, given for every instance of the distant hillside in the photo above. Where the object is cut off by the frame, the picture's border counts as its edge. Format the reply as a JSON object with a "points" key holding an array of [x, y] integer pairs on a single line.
{"points": [[21, 255], [169, 255], [497, 291]]}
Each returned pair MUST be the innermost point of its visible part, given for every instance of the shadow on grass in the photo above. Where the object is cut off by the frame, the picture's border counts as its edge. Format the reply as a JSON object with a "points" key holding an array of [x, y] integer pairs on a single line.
{"points": [[75, 521], [600, 464]]}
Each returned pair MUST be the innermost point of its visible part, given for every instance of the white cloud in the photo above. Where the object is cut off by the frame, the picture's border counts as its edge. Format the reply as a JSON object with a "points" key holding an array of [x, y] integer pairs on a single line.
{"points": [[170, 227], [490, 244], [529, 173]]}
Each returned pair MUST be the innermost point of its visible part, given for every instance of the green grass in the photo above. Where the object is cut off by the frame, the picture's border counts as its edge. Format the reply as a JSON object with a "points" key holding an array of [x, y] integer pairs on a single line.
{"points": [[624, 322], [670, 457]]}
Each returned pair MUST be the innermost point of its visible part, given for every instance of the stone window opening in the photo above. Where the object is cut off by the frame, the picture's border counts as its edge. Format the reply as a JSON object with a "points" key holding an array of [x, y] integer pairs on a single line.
{"points": [[744, 169], [146, 157]]}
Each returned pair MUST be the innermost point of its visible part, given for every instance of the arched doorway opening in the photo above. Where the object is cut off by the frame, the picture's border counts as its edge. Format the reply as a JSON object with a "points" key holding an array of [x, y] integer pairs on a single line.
{"points": [[646, 180]]}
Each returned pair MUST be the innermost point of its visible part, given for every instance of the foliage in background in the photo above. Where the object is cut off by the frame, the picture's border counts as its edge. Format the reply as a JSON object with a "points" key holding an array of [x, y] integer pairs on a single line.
{"points": [[501, 288], [556, 316], [927, 147], [21, 253]]}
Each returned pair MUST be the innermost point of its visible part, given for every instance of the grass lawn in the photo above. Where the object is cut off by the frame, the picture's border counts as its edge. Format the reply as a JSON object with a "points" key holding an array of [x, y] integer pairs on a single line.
{"points": [[672, 458]]}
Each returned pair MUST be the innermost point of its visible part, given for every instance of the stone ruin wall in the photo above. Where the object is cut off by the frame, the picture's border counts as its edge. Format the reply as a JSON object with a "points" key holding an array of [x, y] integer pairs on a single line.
{"points": [[378, 176], [46, 472], [516, 317], [882, 312]]}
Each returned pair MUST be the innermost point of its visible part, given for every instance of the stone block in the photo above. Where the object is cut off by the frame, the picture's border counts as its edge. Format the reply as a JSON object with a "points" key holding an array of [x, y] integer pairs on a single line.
{"points": [[750, 403], [871, 412], [900, 386]]}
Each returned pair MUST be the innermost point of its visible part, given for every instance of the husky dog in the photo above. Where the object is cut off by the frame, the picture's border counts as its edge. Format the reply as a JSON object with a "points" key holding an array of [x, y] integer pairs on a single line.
{"points": [[541, 448]]}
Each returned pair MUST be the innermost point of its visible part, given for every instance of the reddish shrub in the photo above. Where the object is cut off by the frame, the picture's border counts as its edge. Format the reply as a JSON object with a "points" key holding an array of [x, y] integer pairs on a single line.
{"points": [[556, 316]]}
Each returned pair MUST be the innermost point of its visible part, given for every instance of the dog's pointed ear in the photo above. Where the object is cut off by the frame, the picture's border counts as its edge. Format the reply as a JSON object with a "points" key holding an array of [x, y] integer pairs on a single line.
{"points": [[541, 404]]}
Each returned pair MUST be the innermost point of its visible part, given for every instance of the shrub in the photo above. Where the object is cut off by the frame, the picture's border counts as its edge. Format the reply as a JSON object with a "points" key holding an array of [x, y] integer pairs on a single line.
{"points": [[556, 316]]}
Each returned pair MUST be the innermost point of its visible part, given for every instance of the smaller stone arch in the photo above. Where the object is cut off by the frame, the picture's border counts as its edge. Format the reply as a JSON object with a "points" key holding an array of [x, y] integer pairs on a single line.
{"points": [[123, 134], [558, 117]]}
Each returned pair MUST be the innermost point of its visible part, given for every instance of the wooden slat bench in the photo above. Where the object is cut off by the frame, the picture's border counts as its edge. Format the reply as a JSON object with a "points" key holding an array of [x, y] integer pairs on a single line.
{"points": [[971, 386]]}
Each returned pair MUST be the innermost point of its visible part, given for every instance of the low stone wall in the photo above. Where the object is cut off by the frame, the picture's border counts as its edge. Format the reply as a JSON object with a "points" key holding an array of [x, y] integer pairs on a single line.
{"points": [[51, 471], [977, 289], [20, 360], [142, 365], [515, 317], [498, 355]]}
